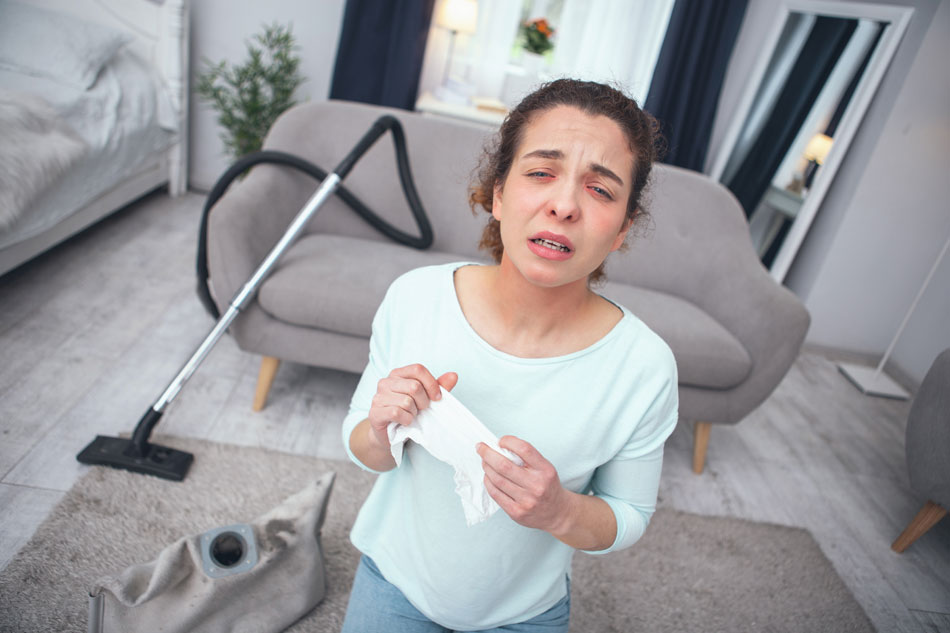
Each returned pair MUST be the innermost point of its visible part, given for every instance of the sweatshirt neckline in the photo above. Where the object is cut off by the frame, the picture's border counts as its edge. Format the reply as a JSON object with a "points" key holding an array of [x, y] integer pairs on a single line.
{"points": [[459, 315]]}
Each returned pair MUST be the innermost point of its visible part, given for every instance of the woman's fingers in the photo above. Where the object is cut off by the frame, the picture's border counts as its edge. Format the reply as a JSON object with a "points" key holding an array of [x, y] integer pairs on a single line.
{"points": [[396, 401], [406, 391], [501, 487], [422, 376], [502, 498], [448, 380], [506, 475], [532, 494]]}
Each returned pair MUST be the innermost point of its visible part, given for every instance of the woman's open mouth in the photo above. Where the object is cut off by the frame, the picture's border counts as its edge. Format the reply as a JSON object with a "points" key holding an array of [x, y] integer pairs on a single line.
{"points": [[554, 245], [551, 246]]}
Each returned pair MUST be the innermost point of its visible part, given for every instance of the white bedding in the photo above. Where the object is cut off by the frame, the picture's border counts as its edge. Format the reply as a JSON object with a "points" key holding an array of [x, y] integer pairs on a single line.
{"points": [[31, 127], [125, 119], [81, 110]]}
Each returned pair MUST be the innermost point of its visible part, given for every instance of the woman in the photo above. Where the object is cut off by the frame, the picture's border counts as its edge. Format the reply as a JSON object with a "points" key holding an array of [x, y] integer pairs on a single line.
{"points": [[578, 388]]}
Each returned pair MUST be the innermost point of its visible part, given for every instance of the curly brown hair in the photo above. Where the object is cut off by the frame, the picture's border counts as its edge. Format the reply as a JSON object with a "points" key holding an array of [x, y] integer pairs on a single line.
{"points": [[639, 127]]}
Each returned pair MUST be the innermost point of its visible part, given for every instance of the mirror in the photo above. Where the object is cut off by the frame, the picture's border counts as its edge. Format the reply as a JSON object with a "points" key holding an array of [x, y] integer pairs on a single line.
{"points": [[800, 110]]}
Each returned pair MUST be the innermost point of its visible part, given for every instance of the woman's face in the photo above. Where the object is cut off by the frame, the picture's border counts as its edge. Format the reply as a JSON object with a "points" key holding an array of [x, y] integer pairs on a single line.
{"points": [[563, 204]]}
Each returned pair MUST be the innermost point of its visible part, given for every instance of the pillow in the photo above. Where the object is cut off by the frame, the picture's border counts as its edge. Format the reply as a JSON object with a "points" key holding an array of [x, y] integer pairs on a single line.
{"points": [[62, 47]]}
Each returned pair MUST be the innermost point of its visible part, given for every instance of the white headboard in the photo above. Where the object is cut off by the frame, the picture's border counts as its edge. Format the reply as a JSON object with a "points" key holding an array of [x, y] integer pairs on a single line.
{"points": [[159, 29]]}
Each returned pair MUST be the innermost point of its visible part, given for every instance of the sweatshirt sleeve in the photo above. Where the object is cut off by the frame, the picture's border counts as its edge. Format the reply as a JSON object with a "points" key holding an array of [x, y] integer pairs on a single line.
{"points": [[376, 369], [629, 482], [629, 486]]}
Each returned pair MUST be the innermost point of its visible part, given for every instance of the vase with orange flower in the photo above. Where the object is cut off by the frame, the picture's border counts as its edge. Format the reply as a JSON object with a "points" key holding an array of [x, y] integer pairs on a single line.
{"points": [[536, 40]]}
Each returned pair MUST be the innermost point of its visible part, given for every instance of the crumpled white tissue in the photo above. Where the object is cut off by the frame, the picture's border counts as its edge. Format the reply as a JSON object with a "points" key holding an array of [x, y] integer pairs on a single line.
{"points": [[450, 433]]}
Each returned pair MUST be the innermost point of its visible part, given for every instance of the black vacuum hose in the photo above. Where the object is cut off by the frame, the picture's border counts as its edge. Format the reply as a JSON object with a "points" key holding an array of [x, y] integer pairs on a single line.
{"points": [[282, 158]]}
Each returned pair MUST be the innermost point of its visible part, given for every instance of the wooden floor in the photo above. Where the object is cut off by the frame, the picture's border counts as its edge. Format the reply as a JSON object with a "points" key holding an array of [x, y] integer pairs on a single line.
{"points": [[91, 333]]}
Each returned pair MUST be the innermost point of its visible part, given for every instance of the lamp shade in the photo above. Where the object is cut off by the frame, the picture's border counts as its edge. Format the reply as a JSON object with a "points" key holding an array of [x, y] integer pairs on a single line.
{"points": [[818, 148], [458, 15]]}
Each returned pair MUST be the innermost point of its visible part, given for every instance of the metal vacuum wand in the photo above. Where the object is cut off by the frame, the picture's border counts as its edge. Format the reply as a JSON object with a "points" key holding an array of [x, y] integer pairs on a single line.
{"points": [[138, 454]]}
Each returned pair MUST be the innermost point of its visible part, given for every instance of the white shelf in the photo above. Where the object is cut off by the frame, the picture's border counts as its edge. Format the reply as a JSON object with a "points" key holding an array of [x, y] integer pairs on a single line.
{"points": [[429, 104]]}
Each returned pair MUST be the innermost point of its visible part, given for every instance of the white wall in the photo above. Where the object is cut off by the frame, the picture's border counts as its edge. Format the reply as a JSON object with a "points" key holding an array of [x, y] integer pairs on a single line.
{"points": [[220, 30], [887, 213]]}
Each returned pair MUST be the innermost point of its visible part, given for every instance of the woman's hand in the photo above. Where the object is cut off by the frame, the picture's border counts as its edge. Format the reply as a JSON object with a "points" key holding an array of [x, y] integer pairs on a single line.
{"points": [[402, 395], [532, 495]]}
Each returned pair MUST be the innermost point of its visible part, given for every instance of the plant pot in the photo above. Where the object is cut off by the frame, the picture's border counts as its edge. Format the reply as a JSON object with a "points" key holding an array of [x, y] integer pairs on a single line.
{"points": [[532, 63]]}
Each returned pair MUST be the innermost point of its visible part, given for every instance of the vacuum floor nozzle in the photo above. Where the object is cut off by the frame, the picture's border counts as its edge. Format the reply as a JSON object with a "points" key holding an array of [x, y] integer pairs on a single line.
{"points": [[152, 459]]}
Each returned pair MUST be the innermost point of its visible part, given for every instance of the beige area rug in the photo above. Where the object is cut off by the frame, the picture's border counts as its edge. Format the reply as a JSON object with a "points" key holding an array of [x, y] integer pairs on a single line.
{"points": [[688, 573]]}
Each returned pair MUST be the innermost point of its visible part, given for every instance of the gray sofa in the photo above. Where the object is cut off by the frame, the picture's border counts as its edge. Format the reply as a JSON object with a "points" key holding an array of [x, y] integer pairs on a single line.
{"points": [[927, 444], [693, 276]]}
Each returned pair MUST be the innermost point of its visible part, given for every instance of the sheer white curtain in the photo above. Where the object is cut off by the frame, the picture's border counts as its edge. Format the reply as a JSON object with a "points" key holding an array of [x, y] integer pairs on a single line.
{"points": [[490, 48], [612, 41]]}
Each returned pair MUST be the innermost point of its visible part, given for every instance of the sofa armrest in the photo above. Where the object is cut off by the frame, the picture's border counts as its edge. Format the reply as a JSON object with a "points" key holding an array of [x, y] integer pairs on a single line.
{"points": [[699, 249], [769, 321], [734, 287]]}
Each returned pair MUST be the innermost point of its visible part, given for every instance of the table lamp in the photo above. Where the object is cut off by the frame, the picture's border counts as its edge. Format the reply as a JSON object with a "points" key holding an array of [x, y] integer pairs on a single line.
{"points": [[815, 153], [456, 16]]}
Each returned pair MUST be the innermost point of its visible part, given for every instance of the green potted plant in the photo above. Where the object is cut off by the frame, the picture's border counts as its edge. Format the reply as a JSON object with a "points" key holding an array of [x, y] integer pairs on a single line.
{"points": [[536, 41], [249, 97], [536, 36]]}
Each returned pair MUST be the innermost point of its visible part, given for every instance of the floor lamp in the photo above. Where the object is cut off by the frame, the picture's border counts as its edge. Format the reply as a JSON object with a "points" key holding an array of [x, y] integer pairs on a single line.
{"points": [[875, 382]]}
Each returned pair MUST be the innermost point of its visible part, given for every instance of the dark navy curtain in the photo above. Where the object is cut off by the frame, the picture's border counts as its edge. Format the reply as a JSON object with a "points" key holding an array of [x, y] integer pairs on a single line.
{"points": [[379, 58], [689, 74]]}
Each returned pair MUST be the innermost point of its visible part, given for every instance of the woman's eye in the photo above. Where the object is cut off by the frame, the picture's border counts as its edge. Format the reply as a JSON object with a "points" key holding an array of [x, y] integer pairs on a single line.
{"points": [[601, 191]]}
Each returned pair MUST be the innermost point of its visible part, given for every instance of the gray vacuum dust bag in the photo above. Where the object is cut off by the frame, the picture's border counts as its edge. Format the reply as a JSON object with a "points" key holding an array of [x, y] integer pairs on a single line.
{"points": [[259, 577]]}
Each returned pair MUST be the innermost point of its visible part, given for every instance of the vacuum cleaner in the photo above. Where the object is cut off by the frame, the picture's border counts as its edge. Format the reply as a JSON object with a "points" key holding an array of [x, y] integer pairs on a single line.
{"points": [[137, 454]]}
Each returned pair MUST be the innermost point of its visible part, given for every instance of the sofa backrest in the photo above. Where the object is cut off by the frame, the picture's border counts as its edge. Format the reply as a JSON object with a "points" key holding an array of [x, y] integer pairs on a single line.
{"points": [[696, 238], [443, 155]]}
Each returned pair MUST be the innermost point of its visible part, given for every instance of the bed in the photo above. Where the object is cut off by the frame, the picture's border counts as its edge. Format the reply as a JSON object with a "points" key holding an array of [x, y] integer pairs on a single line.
{"points": [[93, 114]]}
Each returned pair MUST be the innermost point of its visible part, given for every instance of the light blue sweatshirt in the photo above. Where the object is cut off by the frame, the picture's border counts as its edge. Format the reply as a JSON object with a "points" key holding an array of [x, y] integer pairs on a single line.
{"points": [[599, 415]]}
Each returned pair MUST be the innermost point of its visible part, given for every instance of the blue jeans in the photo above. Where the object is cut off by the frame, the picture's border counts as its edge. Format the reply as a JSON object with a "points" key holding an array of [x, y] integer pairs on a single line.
{"points": [[377, 606]]}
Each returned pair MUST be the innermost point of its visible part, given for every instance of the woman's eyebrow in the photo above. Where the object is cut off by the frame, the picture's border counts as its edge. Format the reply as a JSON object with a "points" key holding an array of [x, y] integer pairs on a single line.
{"points": [[556, 154], [603, 171]]}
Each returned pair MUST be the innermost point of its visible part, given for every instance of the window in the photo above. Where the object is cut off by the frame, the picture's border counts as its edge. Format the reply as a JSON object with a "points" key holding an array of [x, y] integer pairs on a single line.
{"points": [[612, 41]]}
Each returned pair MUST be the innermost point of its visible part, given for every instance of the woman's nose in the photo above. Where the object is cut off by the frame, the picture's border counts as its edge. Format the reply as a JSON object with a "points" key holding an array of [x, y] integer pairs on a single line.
{"points": [[564, 205]]}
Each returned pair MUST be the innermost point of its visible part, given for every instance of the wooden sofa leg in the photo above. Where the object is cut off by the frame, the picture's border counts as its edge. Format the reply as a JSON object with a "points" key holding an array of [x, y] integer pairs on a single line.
{"points": [[700, 443], [265, 378], [925, 519]]}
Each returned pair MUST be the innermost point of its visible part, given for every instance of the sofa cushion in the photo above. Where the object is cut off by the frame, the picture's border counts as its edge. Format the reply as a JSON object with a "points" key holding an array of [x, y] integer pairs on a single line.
{"points": [[313, 286], [335, 283], [707, 355]]}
